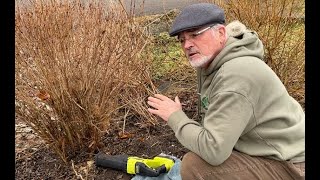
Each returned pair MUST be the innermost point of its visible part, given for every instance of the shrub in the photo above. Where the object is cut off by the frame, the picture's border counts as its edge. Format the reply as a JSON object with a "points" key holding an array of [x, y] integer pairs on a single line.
{"points": [[78, 66]]}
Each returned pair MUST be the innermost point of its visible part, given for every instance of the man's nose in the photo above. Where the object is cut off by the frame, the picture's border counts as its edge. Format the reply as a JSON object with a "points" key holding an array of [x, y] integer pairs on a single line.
{"points": [[187, 44]]}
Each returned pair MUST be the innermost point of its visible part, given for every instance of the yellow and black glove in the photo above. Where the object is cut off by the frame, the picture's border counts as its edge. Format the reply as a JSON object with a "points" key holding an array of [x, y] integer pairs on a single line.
{"points": [[135, 165]]}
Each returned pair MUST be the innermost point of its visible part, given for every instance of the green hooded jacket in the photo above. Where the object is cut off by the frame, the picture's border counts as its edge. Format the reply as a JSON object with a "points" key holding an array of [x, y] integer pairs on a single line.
{"points": [[244, 106]]}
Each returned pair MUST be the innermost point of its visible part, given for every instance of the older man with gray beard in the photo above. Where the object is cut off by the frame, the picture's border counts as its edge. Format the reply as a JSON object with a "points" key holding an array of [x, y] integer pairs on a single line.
{"points": [[249, 126]]}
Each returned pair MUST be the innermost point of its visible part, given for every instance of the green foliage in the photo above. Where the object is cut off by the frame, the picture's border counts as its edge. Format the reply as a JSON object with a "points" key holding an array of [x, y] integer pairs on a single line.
{"points": [[166, 55]]}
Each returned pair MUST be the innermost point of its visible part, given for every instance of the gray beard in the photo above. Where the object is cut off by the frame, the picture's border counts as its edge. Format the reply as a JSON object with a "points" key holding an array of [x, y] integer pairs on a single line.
{"points": [[200, 62]]}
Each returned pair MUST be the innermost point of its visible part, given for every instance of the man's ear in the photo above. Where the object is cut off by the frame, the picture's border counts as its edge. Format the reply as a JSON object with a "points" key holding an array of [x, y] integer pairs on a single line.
{"points": [[222, 31]]}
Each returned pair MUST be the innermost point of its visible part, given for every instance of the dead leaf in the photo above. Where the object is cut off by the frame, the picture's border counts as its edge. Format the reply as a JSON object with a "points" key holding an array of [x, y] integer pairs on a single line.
{"points": [[124, 135], [43, 95]]}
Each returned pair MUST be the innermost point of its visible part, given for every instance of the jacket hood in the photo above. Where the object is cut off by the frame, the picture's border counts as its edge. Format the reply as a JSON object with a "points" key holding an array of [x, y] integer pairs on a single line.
{"points": [[241, 42]]}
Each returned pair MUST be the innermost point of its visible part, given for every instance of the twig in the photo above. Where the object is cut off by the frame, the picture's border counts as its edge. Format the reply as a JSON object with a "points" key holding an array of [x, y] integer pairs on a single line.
{"points": [[166, 14], [124, 121], [74, 170]]}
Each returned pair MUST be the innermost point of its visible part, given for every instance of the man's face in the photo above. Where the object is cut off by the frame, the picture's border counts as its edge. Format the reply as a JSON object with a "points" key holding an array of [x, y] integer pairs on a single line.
{"points": [[202, 45]]}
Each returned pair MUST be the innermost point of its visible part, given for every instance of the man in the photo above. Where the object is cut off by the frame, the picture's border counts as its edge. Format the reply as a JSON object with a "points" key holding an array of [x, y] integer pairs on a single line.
{"points": [[251, 128]]}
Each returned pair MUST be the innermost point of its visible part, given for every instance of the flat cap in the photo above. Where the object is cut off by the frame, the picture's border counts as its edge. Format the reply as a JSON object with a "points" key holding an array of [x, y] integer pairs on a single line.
{"points": [[195, 16]]}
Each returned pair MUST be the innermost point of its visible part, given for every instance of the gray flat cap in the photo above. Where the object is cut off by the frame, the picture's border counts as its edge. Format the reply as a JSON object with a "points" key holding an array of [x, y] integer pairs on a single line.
{"points": [[195, 16]]}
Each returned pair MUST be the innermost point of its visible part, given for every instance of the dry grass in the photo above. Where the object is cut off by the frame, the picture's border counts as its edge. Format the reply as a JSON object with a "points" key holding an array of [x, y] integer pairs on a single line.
{"points": [[280, 25], [78, 67]]}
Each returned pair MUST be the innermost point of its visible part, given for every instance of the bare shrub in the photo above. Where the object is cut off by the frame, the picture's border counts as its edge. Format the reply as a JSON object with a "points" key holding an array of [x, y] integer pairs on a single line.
{"points": [[280, 25], [77, 68]]}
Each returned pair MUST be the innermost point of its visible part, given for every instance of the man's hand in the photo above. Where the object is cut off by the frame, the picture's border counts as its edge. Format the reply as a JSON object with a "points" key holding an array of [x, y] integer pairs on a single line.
{"points": [[163, 106]]}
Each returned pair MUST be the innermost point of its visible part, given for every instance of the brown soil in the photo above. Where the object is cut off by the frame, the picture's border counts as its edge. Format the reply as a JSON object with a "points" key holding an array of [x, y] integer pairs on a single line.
{"points": [[34, 160]]}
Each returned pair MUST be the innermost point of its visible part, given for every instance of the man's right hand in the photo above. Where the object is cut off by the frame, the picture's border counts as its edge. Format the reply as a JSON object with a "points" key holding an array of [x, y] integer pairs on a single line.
{"points": [[163, 106]]}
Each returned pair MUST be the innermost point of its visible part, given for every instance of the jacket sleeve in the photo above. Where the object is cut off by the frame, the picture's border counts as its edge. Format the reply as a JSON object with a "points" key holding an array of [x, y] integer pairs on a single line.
{"points": [[227, 116]]}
